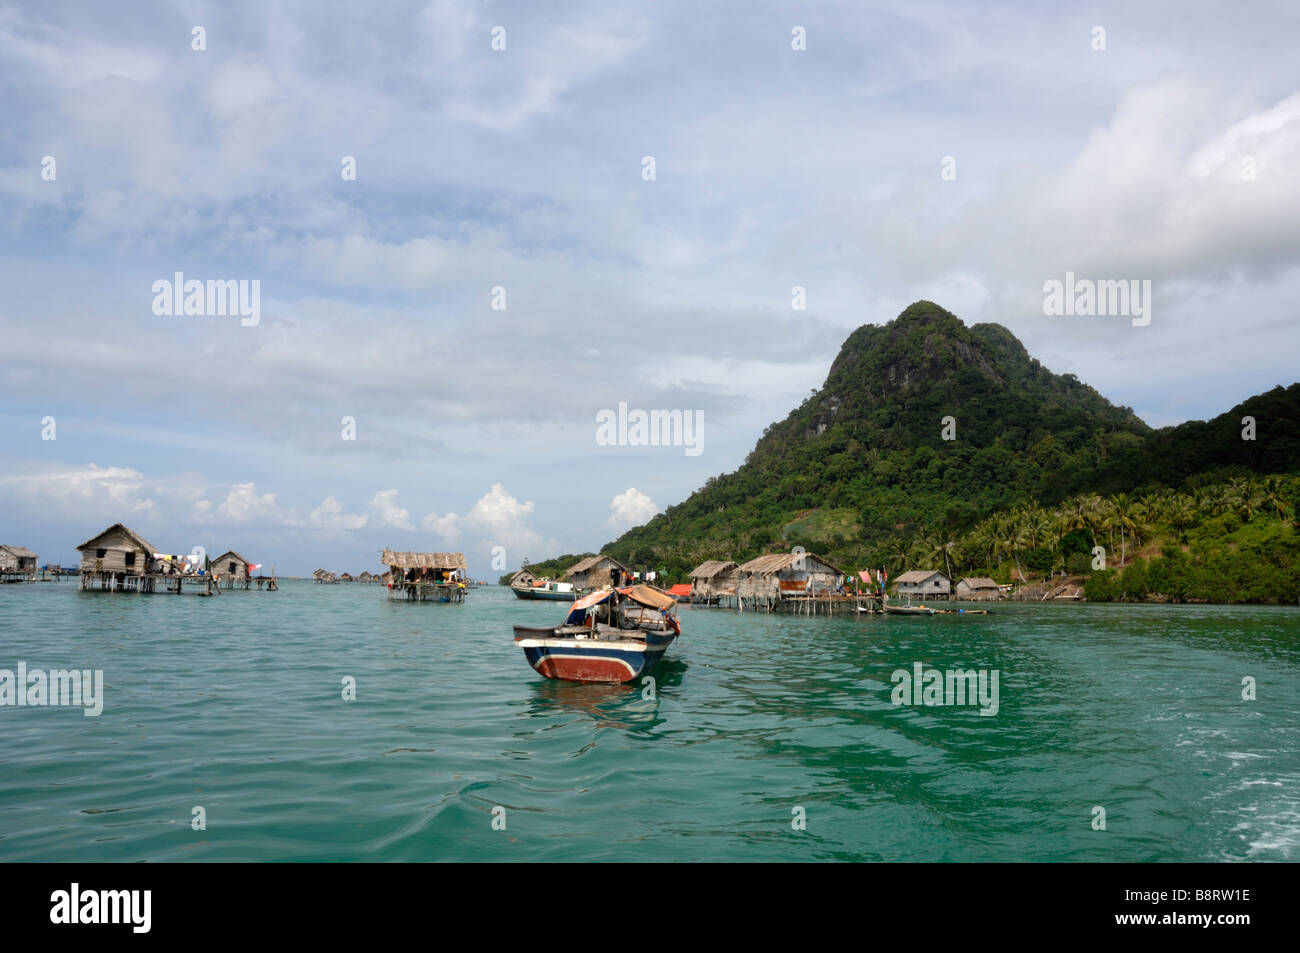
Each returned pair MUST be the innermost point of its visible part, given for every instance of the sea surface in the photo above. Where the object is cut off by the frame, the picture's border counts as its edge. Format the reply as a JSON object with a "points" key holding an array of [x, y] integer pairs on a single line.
{"points": [[768, 738]]}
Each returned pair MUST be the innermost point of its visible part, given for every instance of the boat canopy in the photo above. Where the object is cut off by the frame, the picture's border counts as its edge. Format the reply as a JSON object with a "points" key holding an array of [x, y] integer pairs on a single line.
{"points": [[647, 596]]}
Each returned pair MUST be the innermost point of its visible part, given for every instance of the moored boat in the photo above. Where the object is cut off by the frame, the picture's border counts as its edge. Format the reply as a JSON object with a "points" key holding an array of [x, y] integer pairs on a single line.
{"points": [[909, 610], [546, 589], [612, 635]]}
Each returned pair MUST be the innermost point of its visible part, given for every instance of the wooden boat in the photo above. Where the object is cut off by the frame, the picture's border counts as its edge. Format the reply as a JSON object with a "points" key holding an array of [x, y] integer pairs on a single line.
{"points": [[546, 589], [909, 610], [612, 635]]}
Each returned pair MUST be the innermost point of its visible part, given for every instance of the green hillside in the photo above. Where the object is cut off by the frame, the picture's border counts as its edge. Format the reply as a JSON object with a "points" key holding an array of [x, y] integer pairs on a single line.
{"points": [[861, 472]]}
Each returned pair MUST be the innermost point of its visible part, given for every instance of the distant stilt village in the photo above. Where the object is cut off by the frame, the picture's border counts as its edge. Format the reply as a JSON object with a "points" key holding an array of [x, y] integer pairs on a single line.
{"points": [[796, 582], [121, 560]]}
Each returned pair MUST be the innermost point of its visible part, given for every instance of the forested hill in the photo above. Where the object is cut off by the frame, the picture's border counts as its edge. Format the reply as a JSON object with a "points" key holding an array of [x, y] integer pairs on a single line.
{"points": [[864, 462]]}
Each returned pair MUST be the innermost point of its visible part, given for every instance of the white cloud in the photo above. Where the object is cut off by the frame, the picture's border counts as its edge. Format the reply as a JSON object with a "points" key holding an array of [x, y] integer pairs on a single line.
{"points": [[243, 504], [330, 517], [631, 508], [495, 519], [386, 512], [77, 490], [446, 527]]}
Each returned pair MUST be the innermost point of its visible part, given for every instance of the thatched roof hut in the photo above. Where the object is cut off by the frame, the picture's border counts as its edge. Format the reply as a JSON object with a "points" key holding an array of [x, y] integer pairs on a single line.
{"points": [[118, 549], [713, 578], [523, 579], [786, 574], [435, 566], [595, 572], [398, 560], [365, 577], [17, 561], [977, 588]]}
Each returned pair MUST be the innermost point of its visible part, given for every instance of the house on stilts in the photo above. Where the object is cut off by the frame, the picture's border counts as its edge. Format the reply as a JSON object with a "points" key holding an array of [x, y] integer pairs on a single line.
{"points": [[121, 560], [794, 582], [712, 581], [597, 572], [425, 577], [17, 564]]}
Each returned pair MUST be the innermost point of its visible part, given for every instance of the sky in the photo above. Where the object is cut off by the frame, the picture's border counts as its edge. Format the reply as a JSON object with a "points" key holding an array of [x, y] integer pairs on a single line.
{"points": [[476, 227]]}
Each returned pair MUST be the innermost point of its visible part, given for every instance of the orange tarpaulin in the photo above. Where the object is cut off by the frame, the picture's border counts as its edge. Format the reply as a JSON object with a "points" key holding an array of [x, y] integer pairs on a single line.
{"points": [[647, 596]]}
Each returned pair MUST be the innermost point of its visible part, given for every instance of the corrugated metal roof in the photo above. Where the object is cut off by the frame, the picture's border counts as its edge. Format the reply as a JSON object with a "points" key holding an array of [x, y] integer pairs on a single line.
{"points": [[918, 575]]}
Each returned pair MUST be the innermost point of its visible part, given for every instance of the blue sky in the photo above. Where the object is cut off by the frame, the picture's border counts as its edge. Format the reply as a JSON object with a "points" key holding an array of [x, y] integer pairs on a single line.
{"points": [[522, 169]]}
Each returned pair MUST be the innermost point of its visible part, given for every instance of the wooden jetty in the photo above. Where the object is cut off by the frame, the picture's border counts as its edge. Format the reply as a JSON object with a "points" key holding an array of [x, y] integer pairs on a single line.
{"points": [[425, 577]]}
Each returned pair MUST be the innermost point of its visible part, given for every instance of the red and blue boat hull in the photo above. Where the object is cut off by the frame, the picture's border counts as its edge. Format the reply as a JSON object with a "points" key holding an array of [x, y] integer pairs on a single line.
{"points": [[593, 660]]}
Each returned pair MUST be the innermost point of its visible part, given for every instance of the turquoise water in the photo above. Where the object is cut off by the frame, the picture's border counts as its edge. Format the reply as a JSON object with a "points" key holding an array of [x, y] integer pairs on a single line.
{"points": [[234, 704]]}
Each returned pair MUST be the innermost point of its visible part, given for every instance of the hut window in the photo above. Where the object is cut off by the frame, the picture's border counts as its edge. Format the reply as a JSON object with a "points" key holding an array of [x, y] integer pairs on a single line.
{"points": [[101, 553], [232, 566], [130, 559]]}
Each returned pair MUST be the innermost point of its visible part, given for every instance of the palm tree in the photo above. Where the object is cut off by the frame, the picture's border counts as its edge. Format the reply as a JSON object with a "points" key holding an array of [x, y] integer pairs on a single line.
{"points": [[1150, 506], [1038, 525], [1245, 498], [1220, 499], [1126, 518], [1080, 512], [1012, 540], [1182, 514], [898, 552], [948, 547], [1273, 496], [1108, 521]]}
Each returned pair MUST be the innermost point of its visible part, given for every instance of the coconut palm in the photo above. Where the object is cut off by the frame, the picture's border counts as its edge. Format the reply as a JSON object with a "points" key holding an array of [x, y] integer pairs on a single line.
{"points": [[1273, 496], [946, 546], [1038, 525], [1126, 518], [1011, 538], [898, 553], [1182, 514], [1245, 498]]}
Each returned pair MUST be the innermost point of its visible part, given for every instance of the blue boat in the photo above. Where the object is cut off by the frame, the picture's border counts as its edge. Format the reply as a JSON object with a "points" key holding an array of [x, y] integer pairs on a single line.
{"points": [[613, 635]]}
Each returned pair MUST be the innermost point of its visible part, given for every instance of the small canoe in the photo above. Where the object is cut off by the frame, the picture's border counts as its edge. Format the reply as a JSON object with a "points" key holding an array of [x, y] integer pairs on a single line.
{"points": [[909, 610]]}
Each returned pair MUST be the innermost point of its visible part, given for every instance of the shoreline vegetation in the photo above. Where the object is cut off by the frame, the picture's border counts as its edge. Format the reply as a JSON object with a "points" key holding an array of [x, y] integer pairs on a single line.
{"points": [[937, 446], [1227, 543]]}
